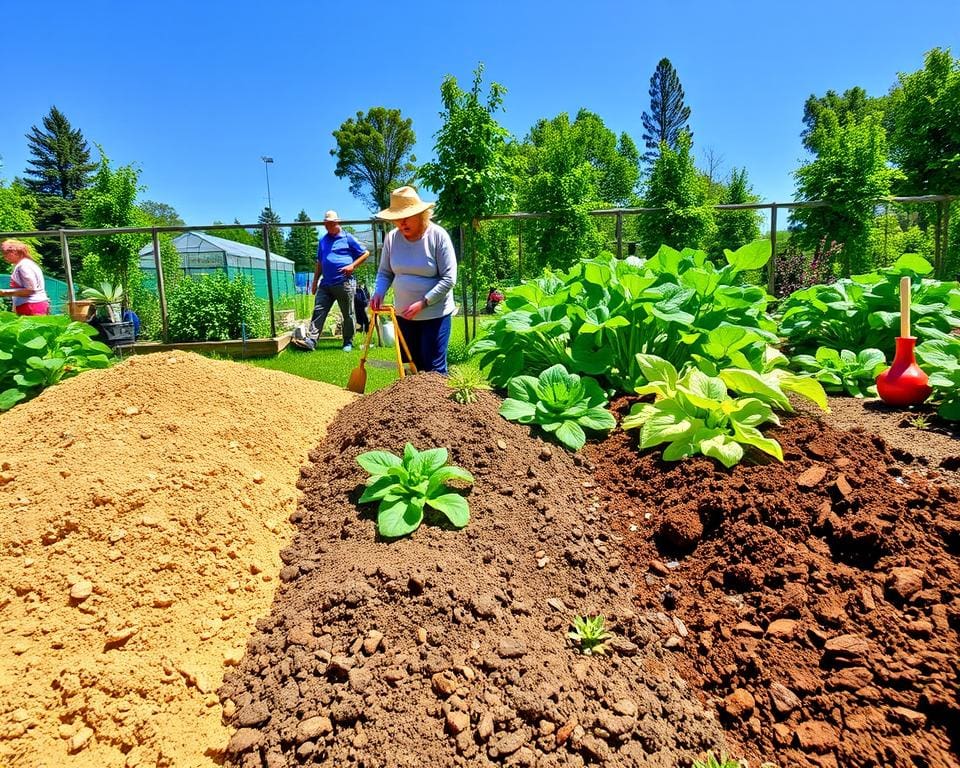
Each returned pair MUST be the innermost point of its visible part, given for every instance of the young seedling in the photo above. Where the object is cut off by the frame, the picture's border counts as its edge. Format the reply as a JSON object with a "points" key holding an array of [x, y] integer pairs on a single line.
{"points": [[590, 633], [466, 381], [712, 761], [920, 421]]}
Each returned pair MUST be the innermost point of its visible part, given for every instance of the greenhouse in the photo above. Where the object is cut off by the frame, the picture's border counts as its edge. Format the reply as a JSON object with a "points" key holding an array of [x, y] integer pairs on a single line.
{"points": [[203, 254]]}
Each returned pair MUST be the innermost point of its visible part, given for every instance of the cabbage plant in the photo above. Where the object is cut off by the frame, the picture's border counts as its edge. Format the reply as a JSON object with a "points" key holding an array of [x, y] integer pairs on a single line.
{"points": [[406, 486], [560, 403], [843, 370]]}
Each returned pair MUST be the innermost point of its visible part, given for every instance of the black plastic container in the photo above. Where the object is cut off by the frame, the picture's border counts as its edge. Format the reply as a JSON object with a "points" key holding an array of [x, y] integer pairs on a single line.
{"points": [[113, 334]]}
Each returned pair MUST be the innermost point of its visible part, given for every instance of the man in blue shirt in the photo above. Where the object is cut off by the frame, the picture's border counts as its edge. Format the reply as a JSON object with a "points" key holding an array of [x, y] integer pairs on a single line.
{"points": [[338, 255]]}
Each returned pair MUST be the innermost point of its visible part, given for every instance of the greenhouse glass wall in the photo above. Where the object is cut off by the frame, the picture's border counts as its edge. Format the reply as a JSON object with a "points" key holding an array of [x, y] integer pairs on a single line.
{"points": [[203, 254]]}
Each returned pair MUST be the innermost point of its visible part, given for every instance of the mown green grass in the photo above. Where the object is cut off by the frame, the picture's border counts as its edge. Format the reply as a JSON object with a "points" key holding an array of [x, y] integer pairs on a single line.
{"points": [[329, 363]]}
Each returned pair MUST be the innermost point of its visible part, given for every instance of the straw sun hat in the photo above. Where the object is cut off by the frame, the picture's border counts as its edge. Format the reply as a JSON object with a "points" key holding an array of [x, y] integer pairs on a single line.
{"points": [[404, 201], [331, 216]]}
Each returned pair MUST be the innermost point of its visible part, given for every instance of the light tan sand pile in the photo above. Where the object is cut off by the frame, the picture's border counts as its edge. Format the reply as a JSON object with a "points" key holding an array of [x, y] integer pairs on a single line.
{"points": [[142, 510]]}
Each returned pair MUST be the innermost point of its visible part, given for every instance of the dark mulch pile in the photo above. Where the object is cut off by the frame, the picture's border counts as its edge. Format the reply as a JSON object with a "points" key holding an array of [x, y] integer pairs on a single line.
{"points": [[449, 647], [815, 603]]}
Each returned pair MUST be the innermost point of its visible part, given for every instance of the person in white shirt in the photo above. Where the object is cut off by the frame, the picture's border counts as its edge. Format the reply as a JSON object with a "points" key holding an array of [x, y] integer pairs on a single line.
{"points": [[26, 281], [418, 260]]}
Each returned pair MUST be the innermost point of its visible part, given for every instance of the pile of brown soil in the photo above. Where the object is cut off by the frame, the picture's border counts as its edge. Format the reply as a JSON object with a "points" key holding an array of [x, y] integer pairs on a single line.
{"points": [[142, 510], [449, 647], [814, 602]]}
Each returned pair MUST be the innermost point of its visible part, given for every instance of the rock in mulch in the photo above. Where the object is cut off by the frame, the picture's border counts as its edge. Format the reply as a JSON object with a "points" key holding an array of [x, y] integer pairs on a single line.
{"points": [[470, 664]]}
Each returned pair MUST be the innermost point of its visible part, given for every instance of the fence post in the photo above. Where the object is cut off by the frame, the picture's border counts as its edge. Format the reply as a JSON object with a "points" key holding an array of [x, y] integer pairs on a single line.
{"points": [[466, 321], [520, 250], [161, 291], [772, 264], [619, 235], [266, 256], [473, 271], [65, 253]]}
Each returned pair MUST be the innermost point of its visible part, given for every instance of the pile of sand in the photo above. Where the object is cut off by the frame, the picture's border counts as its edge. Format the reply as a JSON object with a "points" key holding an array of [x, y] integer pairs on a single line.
{"points": [[142, 509]]}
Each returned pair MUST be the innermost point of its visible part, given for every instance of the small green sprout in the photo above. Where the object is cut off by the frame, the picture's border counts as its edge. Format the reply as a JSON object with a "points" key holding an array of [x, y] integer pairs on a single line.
{"points": [[590, 633], [466, 381], [920, 421], [712, 761]]}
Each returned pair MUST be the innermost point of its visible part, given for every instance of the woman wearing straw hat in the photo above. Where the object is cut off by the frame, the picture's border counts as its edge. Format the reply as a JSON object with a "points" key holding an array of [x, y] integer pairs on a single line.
{"points": [[419, 261], [26, 281]]}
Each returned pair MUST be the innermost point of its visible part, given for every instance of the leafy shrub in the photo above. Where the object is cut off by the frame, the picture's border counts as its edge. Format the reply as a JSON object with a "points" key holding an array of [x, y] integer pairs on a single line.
{"points": [[940, 360], [37, 351], [560, 403], [863, 311], [215, 308], [405, 486], [844, 371], [595, 318]]}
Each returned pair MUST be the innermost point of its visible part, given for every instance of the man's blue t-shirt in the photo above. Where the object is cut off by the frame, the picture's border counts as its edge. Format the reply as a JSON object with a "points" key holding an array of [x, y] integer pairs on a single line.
{"points": [[335, 251]]}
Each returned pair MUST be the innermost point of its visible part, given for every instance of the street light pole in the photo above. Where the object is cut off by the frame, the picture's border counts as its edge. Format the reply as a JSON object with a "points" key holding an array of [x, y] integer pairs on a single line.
{"points": [[266, 169]]}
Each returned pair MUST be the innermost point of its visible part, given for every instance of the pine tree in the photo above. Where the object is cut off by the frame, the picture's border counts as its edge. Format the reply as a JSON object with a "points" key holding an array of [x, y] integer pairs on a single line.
{"points": [[668, 114], [61, 158], [301, 245], [269, 216]]}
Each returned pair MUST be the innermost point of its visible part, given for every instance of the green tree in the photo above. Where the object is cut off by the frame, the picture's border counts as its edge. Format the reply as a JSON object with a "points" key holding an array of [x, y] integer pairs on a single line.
{"points": [[17, 209], [738, 227], [924, 120], [471, 174], [301, 245], [60, 163], [269, 216], [238, 234], [160, 214], [850, 173], [570, 169], [675, 186], [374, 153], [852, 106], [669, 115], [58, 170], [111, 203]]}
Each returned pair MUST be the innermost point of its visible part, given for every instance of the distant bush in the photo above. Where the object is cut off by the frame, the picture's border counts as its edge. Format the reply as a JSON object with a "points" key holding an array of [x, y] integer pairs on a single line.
{"points": [[215, 308]]}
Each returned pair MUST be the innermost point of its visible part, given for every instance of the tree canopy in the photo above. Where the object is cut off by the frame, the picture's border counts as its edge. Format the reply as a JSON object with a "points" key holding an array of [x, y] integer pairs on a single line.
{"points": [[60, 163], [374, 153], [471, 173], [301, 245]]}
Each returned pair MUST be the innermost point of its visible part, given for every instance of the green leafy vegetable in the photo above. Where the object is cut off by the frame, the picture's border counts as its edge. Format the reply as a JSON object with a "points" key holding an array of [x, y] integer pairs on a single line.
{"points": [[38, 351], [694, 414], [560, 403], [843, 370], [404, 486], [940, 360]]}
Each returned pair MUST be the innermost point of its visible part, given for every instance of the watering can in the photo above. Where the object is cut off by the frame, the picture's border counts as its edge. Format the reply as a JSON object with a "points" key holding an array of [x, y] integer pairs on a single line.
{"points": [[904, 382]]}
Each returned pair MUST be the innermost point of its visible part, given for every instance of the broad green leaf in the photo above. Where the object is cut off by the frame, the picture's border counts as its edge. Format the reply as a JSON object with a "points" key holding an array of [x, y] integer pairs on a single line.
{"points": [[433, 459], [517, 410], [440, 477], [571, 435], [720, 447], [912, 262], [805, 387], [380, 486], [454, 506], [750, 256], [10, 397], [377, 462], [765, 388], [598, 419], [398, 517], [753, 436]]}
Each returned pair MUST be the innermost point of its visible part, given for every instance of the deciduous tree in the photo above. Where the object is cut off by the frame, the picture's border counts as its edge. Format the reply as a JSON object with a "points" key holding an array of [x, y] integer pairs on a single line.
{"points": [[669, 115], [675, 186], [924, 120], [374, 153], [738, 227]]}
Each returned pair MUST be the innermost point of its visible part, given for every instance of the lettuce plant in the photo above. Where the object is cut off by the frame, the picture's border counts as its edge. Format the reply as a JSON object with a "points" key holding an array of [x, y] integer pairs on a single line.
{"points": [[694, 414], [843, 370], [940, 360], [590, 634], [39, 351], [560, 403], [405, 486]]}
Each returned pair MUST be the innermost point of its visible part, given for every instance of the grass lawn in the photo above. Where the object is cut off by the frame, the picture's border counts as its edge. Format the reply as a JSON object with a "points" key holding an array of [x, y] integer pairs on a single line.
{"points": [[329, 363]]}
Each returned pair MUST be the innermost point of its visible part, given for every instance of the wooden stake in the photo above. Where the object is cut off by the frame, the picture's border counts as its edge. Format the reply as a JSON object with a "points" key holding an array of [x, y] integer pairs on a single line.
{"points": [[905, 307]]}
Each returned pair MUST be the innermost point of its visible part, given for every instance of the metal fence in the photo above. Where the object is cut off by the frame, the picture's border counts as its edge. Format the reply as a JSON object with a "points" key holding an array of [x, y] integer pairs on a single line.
{"points": [[468, 288]]}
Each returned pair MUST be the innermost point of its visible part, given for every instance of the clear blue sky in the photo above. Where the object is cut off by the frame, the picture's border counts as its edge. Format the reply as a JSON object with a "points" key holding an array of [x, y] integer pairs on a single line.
{"points": [[195, 92]]}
